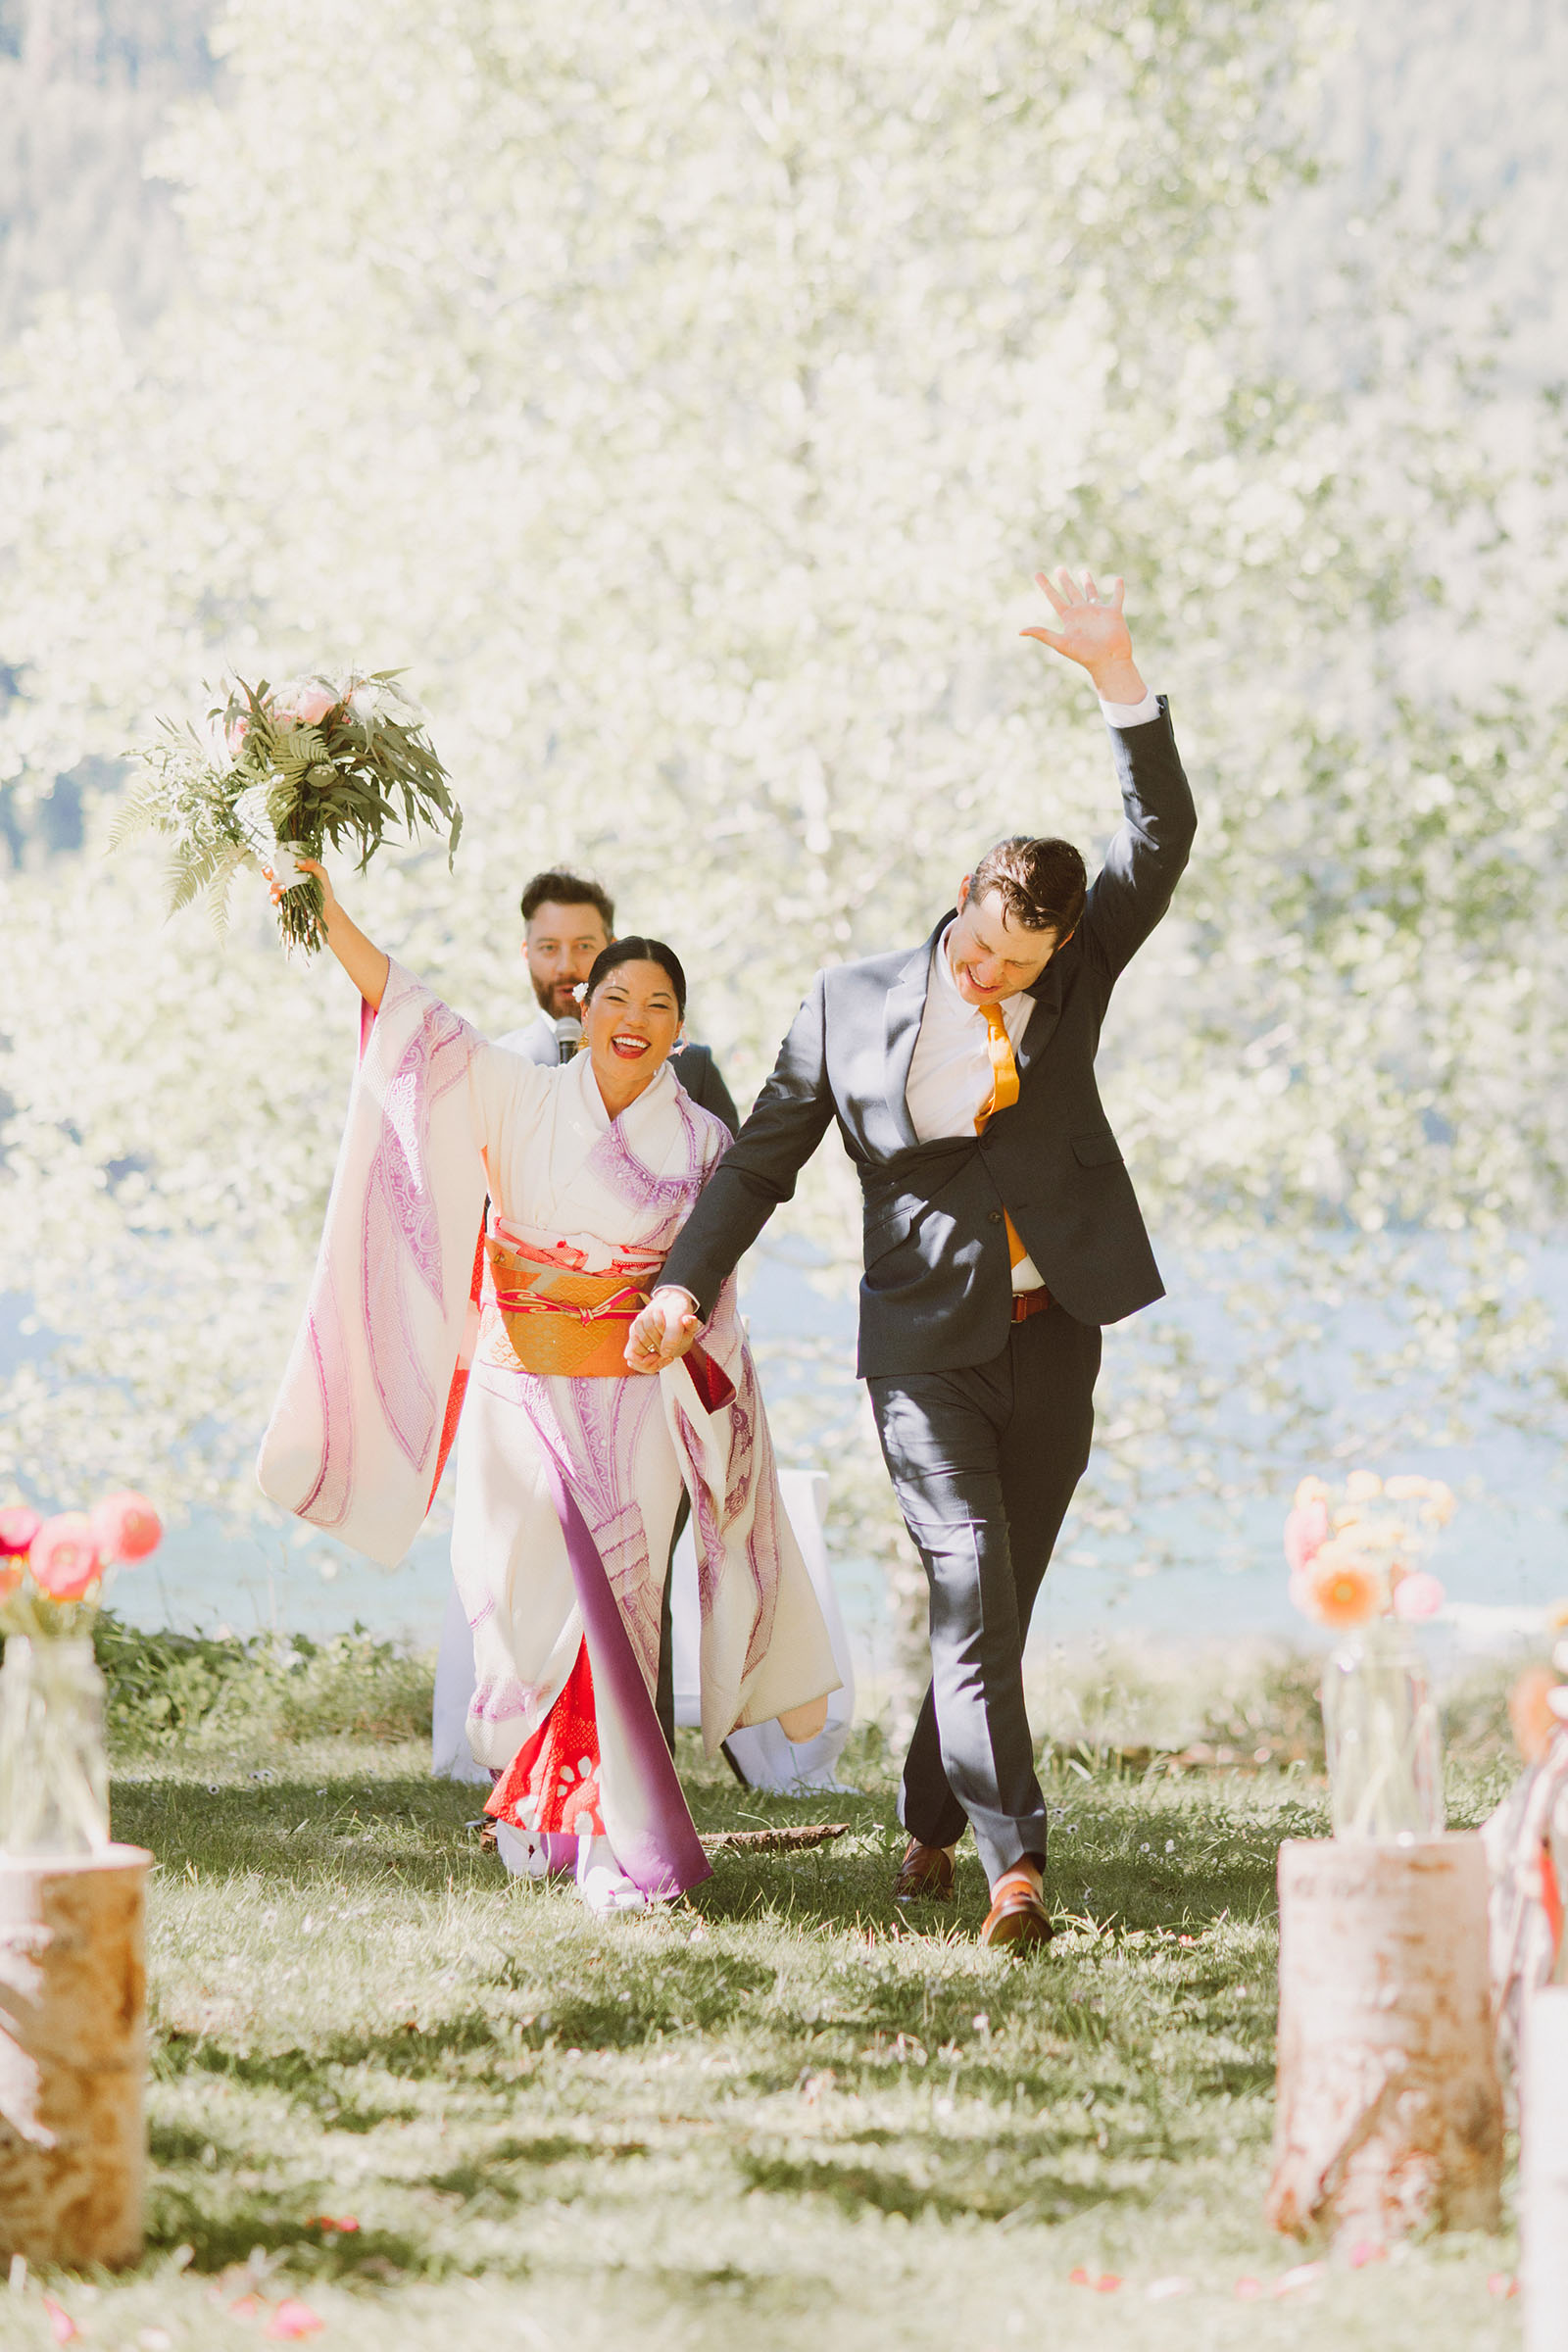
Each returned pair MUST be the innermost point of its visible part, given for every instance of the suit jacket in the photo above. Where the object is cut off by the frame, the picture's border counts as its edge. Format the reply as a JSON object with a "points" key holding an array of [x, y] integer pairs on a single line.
{"points": [[693, 1066], [937, 1290]]}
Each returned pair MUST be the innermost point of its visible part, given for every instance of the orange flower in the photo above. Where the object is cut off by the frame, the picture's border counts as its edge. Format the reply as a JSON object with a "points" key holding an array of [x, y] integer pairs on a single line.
{"points": [[1531, 1712], [1340, 1590]]}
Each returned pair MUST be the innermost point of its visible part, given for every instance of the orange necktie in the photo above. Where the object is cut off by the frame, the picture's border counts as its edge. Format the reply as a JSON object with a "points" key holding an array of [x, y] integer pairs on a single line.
{"points": [[1003, 1094]]}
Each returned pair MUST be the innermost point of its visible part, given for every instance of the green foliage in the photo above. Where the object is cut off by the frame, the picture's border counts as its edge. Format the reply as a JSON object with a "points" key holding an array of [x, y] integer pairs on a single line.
{"points": [[182, 794], [262, 775], [167, 1690]]}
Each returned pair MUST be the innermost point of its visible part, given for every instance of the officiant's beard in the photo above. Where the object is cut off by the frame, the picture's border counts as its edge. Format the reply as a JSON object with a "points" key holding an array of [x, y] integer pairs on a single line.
{"points": [[556, 999]]}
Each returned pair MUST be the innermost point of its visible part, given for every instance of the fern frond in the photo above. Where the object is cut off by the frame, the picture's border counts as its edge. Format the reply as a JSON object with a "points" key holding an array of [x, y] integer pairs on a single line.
{"points": [[140, 811]]}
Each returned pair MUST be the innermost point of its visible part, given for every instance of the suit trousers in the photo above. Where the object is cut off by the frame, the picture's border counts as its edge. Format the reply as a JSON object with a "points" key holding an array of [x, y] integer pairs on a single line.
{"points": [[984, 1462]]}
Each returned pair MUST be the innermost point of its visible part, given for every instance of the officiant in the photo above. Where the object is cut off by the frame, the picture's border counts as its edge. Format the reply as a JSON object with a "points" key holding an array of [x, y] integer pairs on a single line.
{"points": [[566, 921]]}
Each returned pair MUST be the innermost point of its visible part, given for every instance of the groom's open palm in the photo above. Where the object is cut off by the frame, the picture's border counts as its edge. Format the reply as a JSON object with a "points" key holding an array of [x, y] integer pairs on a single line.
{"points": [[1092, 630]]}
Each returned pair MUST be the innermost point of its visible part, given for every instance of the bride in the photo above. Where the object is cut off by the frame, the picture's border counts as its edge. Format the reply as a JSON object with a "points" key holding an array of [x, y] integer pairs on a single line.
{"points": [[568, 1471]]}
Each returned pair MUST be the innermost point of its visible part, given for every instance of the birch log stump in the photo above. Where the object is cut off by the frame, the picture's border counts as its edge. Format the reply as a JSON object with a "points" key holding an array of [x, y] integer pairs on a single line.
{"points": [[73, 2055], [1389, 2114], [1544, 2169]]}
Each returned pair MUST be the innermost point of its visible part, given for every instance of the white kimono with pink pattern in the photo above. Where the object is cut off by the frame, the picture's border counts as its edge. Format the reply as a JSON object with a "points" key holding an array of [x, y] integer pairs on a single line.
{"points": [[567, 1488]]}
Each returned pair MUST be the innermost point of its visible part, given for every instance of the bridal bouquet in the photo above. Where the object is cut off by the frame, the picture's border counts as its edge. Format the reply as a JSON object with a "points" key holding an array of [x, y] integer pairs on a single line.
{"points": [[282, 770]]}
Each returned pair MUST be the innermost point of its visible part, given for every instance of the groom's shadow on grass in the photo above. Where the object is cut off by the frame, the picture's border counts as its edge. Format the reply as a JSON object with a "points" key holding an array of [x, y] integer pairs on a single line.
{"points": [[413, 1830]]}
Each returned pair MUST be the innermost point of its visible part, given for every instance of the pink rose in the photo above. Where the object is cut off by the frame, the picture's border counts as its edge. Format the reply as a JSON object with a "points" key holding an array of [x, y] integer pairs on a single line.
{"points": [[127, 1525], [64, 1558], [19, 1524], [1418, 1595], [304, 698], [1307, 1530]]}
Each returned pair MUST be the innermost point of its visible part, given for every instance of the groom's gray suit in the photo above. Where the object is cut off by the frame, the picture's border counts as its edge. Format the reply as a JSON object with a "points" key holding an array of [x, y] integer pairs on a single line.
{"points": [[985, 1420]]}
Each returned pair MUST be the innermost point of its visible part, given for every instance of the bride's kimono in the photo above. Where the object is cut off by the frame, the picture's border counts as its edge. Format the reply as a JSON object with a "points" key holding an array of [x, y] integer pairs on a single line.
{"points": [[566, 1488]]}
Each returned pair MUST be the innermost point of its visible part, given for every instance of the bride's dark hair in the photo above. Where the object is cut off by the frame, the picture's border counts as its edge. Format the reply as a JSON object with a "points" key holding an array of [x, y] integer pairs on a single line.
{"points": [[635, 949]]}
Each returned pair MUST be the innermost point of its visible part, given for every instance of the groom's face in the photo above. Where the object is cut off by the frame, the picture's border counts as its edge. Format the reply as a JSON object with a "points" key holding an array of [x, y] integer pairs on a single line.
{"points": [[990, 956], [560, 943]]}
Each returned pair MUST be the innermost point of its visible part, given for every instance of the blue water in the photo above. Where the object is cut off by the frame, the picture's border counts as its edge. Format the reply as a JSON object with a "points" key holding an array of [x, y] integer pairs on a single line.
{"points": [[1221, 1570]]}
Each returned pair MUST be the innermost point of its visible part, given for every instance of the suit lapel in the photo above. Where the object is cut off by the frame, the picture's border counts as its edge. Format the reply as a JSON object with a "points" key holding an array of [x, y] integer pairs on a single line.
{"points": [[1047, 993], [906, 1007]]}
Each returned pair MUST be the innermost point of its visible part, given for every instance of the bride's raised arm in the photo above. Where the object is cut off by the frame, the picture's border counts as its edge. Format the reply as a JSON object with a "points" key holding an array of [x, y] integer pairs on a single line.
{"points": [[364, 961]]}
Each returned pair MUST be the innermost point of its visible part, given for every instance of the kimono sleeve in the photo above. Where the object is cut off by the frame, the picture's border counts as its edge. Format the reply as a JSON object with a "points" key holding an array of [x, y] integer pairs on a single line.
{"points": [[506, 1096]]}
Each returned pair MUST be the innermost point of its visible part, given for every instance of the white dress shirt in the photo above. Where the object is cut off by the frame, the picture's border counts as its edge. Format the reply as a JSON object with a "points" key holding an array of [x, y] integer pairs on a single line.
{"points": [[536, 1040], [950, 1075]]}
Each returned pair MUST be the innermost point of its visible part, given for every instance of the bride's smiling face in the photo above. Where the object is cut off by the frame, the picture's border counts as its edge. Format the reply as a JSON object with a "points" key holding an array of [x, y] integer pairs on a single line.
{"points": [[630, 1024]]}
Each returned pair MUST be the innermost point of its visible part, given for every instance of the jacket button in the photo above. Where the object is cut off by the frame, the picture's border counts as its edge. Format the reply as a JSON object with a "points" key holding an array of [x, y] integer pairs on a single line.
{"points": [[996, 1216]]}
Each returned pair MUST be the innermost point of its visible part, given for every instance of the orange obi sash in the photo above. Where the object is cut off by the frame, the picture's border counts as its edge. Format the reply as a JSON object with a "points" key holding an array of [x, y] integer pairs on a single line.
{"points": [[560, 1321]]}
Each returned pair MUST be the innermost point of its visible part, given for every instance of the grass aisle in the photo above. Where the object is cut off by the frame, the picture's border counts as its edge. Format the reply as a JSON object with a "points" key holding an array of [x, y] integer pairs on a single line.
{"points": [[782, 2114]]}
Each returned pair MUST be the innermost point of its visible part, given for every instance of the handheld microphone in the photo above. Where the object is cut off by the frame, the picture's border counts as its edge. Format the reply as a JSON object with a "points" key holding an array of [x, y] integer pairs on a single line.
{"points": [[568, 1036]]}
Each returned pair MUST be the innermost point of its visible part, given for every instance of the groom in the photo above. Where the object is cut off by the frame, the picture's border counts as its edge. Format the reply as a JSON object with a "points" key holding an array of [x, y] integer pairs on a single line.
{"points": [[1001, 1233]]}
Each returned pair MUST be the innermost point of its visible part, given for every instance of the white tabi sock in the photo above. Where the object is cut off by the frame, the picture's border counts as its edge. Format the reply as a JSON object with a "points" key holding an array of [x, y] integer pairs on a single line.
{"points": [[601, 1882]]}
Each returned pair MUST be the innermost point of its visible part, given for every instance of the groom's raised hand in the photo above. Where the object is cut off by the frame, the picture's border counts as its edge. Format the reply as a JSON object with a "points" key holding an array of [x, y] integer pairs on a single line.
{"points": [[1092, 632]]}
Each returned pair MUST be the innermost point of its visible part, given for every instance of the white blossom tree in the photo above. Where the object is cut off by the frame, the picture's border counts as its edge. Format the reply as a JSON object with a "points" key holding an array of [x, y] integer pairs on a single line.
{"points": [[685, 396]]}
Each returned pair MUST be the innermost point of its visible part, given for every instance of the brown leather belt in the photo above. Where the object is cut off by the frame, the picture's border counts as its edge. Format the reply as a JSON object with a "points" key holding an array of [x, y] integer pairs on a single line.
{"points": [[1029, 1302]]}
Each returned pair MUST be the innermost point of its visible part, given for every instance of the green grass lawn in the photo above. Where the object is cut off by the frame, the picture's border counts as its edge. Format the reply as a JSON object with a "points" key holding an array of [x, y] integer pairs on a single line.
{"points": [[783, 2114]]}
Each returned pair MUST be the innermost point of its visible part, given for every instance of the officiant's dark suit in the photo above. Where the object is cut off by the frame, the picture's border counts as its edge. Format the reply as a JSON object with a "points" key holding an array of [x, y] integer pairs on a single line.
{"points": [[984, 1408]]}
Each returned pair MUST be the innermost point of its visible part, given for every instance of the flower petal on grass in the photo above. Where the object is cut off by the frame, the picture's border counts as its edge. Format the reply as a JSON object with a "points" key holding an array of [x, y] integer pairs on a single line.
{"points": [[1291, 2283], [291, 2320], [62, 2326], [1502, 2284], [1160, 2290], [1366, 2250], [1247, 2290]]}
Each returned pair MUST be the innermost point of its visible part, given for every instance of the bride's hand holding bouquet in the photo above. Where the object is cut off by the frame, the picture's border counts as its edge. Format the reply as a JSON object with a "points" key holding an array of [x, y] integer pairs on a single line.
{"points": [[275, 775]]}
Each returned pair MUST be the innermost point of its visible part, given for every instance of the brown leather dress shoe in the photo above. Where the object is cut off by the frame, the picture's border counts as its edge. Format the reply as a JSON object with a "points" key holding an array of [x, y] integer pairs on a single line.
{"points": [[924, 1876], [1017, 1913]]}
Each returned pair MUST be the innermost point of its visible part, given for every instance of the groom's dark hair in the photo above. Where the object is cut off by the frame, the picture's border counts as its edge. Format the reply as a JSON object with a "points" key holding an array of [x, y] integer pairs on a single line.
{"points": [[557, 888], [1041, 884]]}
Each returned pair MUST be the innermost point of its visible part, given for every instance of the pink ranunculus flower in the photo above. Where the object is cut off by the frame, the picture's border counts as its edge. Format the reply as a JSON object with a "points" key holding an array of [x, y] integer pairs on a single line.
{"points": [[127, 1525], [1307, 1530], [1418, 1595], [19, 1524], [64, 1558]]}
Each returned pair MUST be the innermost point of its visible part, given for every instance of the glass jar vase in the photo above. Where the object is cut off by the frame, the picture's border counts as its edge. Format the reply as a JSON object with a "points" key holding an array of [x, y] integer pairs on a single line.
{"points": [[1384, 1740], [54, 1766]]}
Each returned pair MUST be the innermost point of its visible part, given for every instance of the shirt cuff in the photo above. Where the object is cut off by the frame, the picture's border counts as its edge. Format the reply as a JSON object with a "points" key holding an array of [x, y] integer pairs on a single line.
{"points": [[1130, 714]]}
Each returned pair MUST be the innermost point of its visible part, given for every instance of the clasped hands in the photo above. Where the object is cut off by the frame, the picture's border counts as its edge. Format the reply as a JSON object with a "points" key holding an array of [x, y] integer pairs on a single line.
{"points": [[667, 1327]]}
